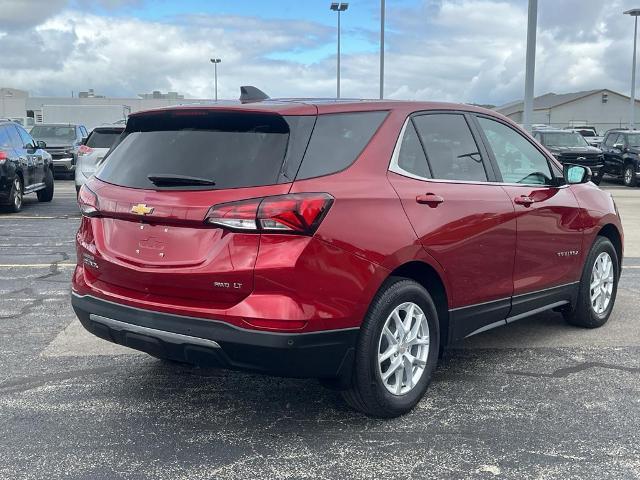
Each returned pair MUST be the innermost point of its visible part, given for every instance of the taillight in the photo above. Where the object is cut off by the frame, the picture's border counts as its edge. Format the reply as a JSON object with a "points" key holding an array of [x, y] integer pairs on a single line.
{"points": [[88, 202], [3, 157], [293, 213], [84, 150]]}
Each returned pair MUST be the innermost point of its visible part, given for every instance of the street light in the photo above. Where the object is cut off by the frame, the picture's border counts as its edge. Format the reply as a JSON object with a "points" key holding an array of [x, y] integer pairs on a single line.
{"points": [[215, 62], [530, 67], [381, 49], [632, 105], [338, 7]]}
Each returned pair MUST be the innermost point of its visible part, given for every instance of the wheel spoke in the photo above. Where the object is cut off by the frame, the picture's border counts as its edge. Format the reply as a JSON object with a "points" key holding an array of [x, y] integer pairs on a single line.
{"points": [[398, 384], [386, 355], [408, 372], [391, 338], [399, 325], [392, 368]]}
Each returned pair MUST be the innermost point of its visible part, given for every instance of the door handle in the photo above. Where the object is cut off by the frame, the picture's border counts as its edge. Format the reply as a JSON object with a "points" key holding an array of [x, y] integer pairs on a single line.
{"points": [[525, 200], [430, 199]]}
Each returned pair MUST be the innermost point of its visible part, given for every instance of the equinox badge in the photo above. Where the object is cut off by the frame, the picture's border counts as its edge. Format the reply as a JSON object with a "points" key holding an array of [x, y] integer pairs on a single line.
{"points": [[141, 209]]}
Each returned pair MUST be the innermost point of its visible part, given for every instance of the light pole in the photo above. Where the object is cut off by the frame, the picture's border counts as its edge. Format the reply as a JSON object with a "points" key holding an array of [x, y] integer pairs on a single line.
{"points": [[530, 64], [338, 7], [381, 49], [632, 105], [215, 62]]}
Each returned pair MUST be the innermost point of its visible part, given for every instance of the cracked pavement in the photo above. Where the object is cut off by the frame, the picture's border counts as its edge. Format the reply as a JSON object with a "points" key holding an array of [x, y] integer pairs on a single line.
{"points": [[538, 399]]}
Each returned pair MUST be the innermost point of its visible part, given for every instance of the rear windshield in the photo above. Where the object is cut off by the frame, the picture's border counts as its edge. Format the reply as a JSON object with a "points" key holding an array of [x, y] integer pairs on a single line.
{"points": [[232, 149], [103, 138], [53, 132]]}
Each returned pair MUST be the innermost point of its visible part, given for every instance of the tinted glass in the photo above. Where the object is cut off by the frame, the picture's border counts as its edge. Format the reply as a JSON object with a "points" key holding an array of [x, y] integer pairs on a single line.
{"points": [[451, 150], [103, 138], [53, 132], [26, 138], [4, 138], [411, 157], [232, 149], [14, 137], [337, 140], [633, 140], [612, 139], [564, 140], [518, 160]]}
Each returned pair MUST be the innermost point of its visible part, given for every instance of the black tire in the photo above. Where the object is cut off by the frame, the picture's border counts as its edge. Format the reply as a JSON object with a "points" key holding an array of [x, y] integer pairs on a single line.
{"points": [[46, 195], [16, 195], [584, 314], [367, 392], [629, 176]]}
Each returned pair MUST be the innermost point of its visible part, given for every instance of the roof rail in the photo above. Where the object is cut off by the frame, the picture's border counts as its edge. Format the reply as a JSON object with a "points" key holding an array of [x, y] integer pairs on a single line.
{"points": [[250, 94]]}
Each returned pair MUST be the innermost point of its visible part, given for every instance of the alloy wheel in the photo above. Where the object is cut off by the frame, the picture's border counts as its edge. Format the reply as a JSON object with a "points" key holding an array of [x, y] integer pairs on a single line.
{"points": [[602, 279], [17, 188], [403, 348], [628, 176]]}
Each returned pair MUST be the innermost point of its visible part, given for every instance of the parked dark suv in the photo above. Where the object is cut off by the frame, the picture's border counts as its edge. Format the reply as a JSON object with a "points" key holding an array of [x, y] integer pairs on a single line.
{"points": [[621, 150], [571, 147], [24, 167], [63, 141], [341, 240]]}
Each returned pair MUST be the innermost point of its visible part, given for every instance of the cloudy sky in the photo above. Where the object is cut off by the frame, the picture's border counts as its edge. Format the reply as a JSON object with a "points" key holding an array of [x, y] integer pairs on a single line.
{"points": [[453, 50]]}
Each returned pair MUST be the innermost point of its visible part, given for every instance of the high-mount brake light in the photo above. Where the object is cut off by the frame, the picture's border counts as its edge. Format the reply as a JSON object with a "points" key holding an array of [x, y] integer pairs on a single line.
{"points": [[88, 202], [293, 213]]}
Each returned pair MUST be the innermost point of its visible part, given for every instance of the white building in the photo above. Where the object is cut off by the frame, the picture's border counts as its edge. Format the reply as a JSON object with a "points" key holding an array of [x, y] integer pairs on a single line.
{"points": [[90, 110], [602, 108]]}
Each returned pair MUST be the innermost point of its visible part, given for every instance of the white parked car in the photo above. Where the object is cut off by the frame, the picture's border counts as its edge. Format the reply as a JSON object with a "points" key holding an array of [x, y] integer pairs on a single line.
{"points": [[94, 149]]}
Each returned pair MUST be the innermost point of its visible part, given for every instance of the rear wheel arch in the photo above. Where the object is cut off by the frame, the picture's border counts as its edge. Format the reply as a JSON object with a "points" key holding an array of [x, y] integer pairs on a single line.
{"points": [[430, 279]]}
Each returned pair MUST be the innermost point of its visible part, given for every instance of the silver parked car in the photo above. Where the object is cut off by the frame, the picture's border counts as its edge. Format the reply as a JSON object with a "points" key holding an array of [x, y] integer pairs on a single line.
{"points": [[94, 149], [62, 141]]}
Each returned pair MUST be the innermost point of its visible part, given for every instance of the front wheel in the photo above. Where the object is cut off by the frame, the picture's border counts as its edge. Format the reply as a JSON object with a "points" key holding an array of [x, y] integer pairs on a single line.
{"points": [[598, 286], [629, 176], [397, 351], [46, 195]]}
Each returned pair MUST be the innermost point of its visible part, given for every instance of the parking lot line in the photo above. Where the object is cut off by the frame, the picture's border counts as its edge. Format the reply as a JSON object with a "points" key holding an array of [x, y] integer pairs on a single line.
{"points": [[35, 265], [63, 217]]}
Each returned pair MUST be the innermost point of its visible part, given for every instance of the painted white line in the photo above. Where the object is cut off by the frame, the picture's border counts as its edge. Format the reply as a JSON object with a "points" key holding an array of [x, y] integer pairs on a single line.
{"points": [[35, 265], [23, 217]]}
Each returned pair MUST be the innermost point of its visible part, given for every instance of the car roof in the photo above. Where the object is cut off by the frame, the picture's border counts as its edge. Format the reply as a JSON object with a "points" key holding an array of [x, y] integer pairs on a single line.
{"points": [[312, 106], [47, 124], [553, 130]]}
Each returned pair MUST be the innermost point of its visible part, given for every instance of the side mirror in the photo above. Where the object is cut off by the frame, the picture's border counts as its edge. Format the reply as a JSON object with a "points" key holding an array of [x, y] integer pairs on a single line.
{"points": [[41, 144], [618, 146], [575, 174]]}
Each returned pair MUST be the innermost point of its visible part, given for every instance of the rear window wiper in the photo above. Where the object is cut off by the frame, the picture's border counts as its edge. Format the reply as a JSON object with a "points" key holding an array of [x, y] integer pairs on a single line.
{"points": [[160, 179]]}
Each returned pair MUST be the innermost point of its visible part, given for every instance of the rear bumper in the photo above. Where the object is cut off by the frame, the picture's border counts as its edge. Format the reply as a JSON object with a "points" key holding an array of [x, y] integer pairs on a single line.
{"points": [[64, 164], [327, 354]]}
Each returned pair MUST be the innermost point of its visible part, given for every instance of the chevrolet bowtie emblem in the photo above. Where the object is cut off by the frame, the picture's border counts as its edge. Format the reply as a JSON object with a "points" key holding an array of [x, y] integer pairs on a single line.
{"points": [[141, 209]]}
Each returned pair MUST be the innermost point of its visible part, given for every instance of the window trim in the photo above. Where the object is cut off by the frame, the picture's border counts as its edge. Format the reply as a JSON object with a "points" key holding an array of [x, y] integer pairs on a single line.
{"points": [[488, 167], [494, 162]]}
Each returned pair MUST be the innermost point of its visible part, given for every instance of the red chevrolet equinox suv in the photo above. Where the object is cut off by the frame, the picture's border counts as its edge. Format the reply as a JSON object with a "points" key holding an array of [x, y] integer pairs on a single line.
{"points": [[348, 241]]}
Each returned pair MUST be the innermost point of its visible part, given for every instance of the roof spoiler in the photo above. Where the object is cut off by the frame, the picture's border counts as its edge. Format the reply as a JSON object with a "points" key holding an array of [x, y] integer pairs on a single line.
{"points": [[250, 94]]}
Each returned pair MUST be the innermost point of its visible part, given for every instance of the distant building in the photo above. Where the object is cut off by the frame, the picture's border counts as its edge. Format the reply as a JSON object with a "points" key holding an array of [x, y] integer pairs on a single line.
{"points": [[159, 95], [601, 108], [87, 107]]}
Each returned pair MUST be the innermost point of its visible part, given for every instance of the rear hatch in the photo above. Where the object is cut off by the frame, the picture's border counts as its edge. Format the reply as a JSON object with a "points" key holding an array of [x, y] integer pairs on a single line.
{"points": [[157, 185]]}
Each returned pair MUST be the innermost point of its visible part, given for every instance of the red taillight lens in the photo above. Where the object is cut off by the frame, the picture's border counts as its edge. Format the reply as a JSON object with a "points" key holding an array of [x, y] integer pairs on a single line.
{"points": [[294, 213], [3, 156], [84, 150], [88, 202]]}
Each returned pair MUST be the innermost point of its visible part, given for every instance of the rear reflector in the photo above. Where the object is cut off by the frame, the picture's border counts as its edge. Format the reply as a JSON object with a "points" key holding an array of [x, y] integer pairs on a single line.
{"points": [[294, 213], [88, 202]]}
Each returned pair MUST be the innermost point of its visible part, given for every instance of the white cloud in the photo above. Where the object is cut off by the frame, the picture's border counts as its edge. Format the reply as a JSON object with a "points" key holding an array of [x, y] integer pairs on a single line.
{"points": [[453, 50]]}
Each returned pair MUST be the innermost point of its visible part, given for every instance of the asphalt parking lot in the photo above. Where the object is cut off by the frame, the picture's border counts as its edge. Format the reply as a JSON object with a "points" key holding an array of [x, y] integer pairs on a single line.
{"points": [[540, 399]]}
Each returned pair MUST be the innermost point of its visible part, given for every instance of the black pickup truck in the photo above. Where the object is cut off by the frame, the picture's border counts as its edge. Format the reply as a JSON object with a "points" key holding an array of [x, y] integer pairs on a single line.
{"points": [[571, 147], [24, 167]]}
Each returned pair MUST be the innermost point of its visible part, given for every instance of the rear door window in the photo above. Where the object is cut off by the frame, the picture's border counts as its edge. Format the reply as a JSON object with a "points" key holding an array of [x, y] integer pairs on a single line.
{"points": [[232, 149], [5, 142], [337, 141], [451, 150], [103, 138], [14, 137]]}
